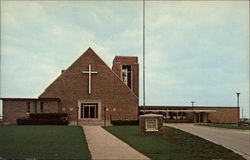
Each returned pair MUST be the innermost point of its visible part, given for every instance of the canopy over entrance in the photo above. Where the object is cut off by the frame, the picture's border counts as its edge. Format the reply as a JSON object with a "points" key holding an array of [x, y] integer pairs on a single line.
{"points": [[177, 111]]}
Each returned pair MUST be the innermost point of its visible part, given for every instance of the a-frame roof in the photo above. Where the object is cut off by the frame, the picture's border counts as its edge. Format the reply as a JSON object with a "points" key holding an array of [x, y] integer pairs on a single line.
{"points": [[89, 56]]}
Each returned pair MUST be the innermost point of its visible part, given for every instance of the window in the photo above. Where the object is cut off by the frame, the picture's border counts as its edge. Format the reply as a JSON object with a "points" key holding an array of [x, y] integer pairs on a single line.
{"points": [[151, 124], [28, 107], [89, 110], [35, 107], [126, 75], [171, 116], [174, 115], [183, 116], [167, 116], [41, 107]]}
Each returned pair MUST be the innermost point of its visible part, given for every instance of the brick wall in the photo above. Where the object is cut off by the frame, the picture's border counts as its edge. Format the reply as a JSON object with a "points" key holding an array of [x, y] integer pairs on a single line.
{"points": [[17, 108], [142, 121], [49, 106], [72, 86], [13, 109], [222, 114], [133, 61]]}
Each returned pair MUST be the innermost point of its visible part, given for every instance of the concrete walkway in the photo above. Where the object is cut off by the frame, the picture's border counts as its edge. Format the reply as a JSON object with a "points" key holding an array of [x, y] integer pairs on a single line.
{"points": [[236, 140], [105, 146]]}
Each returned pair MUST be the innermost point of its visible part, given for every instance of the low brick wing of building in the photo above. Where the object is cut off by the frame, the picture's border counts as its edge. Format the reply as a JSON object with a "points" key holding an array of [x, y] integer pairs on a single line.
{"points": [[195, 114]]}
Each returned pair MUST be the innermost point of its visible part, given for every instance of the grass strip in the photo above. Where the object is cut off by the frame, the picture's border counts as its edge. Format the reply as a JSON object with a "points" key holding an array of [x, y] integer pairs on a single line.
{"points": [[228, 126], [43, 142], [174, 144]]}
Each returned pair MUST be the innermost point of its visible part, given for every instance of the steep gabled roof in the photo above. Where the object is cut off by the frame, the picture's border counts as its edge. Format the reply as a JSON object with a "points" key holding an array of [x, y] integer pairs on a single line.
{"points": [[88, 54]]}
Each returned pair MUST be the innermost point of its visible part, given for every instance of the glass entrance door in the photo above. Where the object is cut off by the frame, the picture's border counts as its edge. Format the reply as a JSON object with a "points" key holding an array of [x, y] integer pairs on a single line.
{"points": [[89, 111]]}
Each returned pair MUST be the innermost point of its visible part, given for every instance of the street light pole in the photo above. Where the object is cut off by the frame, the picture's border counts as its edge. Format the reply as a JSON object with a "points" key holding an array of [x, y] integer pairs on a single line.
{"points": [[238, 104], [238, 99], [192, 103], [242, 113], [143, 53]]}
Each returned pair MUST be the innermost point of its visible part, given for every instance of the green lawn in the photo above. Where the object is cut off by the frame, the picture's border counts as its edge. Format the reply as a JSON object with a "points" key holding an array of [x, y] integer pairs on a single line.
{"points": [[228, 126], [43, 142], [174, 144]]}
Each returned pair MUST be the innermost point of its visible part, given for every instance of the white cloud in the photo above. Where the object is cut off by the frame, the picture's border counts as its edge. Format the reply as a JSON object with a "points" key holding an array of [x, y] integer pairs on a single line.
{"points": [[186, 14]]}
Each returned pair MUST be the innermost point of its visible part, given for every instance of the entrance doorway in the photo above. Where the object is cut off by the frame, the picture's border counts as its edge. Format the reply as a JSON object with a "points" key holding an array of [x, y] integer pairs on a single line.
{"points": [[199, 118], [89, 111]]}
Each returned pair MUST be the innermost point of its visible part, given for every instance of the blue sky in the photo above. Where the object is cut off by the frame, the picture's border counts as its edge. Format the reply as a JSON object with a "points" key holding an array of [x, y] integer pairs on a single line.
{"points": [[195, 51]]}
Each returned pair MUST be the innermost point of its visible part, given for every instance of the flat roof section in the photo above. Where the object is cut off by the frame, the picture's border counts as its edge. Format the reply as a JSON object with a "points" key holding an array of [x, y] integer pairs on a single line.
{"points": [[158, 107], [176, 111], [33, 99]]}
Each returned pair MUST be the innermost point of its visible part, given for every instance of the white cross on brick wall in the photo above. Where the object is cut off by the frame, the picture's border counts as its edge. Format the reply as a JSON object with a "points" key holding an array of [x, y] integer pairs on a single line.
{"points": [[89, 72]]}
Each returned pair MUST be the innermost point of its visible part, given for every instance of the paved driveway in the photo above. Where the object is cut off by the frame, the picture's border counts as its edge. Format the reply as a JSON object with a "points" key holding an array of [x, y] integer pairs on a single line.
{"points": [[236, 140]]}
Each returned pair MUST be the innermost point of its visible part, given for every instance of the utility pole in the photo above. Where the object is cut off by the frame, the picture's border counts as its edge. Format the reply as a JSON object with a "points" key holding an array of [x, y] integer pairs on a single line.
{"points": [[242, 113], [143, 56], [238, 104], [192, 103], [238, 99]]}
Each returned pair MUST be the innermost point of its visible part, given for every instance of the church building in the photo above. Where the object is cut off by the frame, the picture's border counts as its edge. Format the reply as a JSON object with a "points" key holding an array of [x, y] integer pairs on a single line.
{"points": [[93, 94], [89, 91]]}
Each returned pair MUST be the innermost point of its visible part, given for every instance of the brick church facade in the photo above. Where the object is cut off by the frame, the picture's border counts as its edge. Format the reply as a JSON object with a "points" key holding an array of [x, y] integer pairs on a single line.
{"points": [[92, 93], [88, 91]]}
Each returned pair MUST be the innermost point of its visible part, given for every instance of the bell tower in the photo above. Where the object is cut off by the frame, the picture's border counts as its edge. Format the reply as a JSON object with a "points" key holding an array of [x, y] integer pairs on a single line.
{"points": [[127, 69]]}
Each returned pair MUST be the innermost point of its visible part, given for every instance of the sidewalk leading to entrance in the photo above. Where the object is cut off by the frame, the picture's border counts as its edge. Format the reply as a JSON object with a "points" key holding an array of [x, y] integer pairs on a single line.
{"points": [[236, 140], [103, 145]]}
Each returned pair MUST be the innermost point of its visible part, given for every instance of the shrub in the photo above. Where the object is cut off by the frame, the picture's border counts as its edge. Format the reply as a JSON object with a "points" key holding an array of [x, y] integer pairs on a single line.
{"points": [[44, 119], [27, 121], [125, 122], [48, 115]]}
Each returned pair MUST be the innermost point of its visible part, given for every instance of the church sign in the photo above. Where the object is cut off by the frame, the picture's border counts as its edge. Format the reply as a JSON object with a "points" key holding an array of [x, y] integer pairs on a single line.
{"points": [[151, 124]]}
